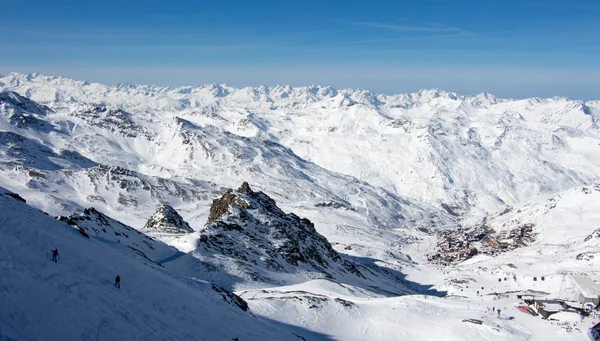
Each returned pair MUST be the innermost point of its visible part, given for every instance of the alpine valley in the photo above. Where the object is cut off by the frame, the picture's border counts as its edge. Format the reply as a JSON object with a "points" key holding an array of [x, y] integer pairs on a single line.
{"points": [[294, 213]]}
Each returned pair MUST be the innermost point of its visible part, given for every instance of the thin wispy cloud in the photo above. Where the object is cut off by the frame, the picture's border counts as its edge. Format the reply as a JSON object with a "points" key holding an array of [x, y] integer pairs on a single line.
{"points": [[446, 32], [392, 40], [424, 27]]}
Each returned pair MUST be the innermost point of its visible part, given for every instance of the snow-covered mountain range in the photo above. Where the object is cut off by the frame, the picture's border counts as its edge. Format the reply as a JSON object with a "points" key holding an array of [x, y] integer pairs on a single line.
{"points": [[345, 186]]}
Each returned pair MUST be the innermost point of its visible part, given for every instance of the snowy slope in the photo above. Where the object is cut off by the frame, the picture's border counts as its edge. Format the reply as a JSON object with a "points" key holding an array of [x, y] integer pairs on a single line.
{"points": [[564, 240], [75, 299], [565, 227], [349, 314], [565, 243], [378, 176], [335, 309], [474, 154], [171, 160]]}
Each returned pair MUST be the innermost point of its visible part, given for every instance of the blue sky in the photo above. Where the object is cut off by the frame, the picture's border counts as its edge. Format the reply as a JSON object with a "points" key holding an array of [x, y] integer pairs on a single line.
{"points": [[509, 48]]}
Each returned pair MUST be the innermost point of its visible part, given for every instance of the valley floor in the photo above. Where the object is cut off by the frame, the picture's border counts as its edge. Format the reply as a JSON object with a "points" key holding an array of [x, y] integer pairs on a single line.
{"points": [[349, 313]]}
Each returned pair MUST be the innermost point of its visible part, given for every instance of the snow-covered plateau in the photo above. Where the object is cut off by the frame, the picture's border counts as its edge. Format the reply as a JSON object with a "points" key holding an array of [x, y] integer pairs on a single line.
{"points": [[295, 213]]}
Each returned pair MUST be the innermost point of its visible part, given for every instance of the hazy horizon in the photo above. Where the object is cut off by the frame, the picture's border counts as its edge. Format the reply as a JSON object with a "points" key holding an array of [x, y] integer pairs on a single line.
{"points": [[511, 49]]}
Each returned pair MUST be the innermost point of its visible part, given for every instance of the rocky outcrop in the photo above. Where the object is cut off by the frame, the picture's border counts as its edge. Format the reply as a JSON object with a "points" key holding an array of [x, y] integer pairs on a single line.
{"points": [[95, 224], [112, 119], [231, 298], [221, 206], [245, 189], [247, 230], [595, 234], [166, 219], [24, 113], [16, 196]]}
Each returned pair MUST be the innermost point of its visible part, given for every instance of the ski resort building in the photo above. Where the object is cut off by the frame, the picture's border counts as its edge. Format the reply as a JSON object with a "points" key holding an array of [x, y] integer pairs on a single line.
{"points": [[548, 308], [588, 291]]}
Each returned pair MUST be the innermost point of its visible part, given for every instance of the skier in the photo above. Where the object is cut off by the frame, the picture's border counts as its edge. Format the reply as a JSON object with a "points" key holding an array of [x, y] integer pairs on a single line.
{"points": [[118, 282], [55, 255]]}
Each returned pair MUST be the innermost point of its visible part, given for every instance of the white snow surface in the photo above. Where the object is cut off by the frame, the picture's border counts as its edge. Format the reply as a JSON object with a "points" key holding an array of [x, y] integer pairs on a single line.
{"points": [[75, 299], [475, 153], [376, 174]]}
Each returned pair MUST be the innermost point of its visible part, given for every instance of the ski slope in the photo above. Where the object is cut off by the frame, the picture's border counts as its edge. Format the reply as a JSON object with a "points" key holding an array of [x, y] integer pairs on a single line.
{"points": [[75, 299], [348, 314]]}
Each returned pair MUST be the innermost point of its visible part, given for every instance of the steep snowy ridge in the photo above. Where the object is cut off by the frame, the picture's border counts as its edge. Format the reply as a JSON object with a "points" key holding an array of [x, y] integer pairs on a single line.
{"points": [[23, 112], [128, 196], [75, 299], [22, 151], [96, 224], [250, 237], [256, 235]]}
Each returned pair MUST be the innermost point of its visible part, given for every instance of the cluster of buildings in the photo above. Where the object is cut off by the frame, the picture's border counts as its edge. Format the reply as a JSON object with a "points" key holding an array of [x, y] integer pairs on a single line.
{"points": [[454, 246], [587, 301]]}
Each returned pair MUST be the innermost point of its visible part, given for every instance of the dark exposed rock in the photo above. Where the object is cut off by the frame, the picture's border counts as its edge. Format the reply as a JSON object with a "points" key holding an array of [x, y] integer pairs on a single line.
{"points": [[221, 205], [231, 298], [248, 228], [402, 123], [424, 230], [450, 210], [167, 219], [586, 256], [227, 226], [506, 210], [113, 119], [245, 189], [595, 234], [343, 302], [16, 196], [35, 174], [83, 233], [67, 220]]}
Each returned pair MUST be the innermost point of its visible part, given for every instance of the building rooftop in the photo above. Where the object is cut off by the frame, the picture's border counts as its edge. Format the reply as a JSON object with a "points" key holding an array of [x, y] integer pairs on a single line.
{"points": [[587, 286]]}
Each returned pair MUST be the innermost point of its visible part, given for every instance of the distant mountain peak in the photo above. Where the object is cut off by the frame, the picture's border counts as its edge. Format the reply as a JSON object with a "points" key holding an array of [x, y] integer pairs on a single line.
{"points": [[139, 98]]}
